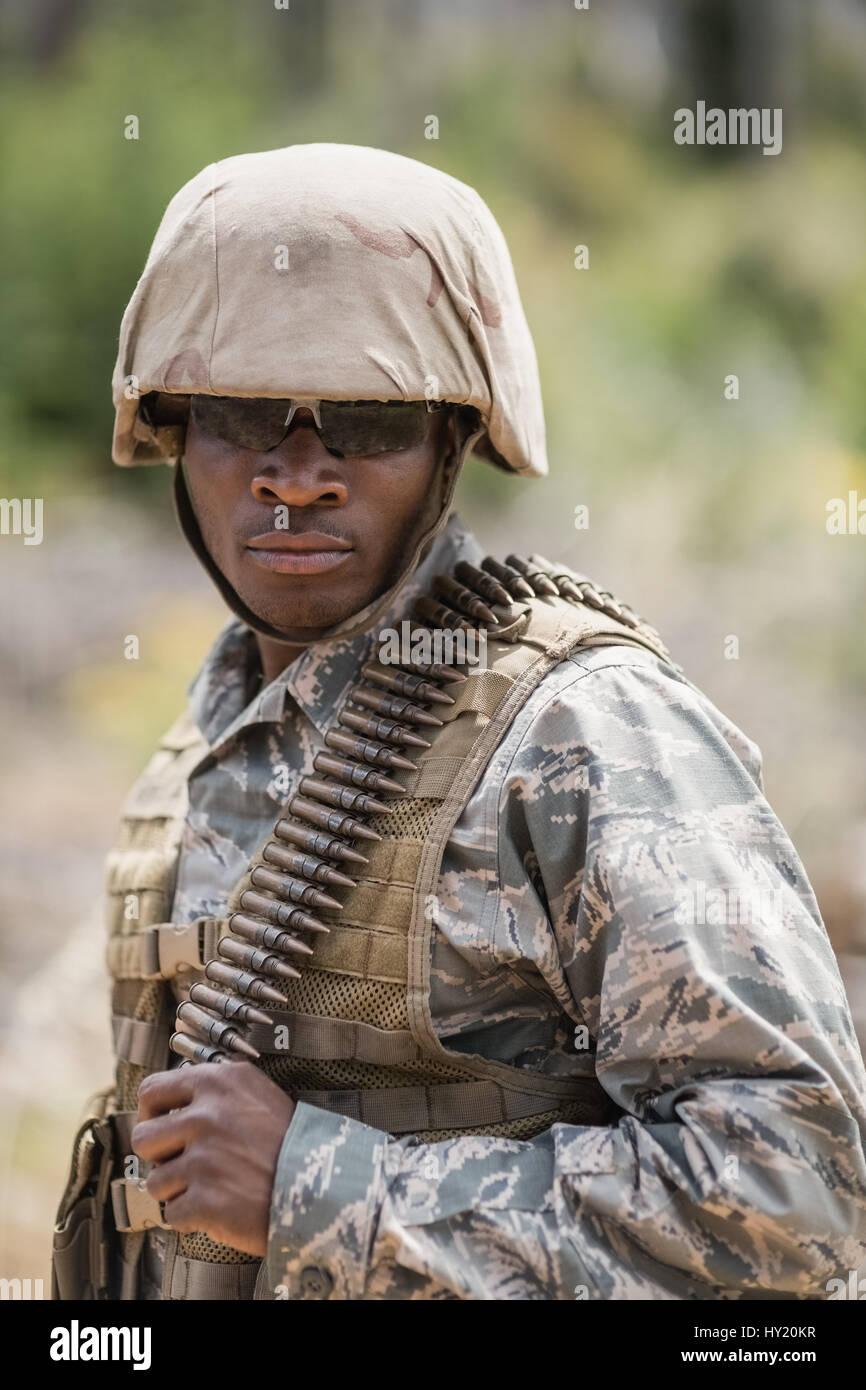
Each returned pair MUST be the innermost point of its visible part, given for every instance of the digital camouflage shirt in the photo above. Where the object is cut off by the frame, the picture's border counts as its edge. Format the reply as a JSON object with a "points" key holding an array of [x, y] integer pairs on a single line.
{"points": [[617, 898]]}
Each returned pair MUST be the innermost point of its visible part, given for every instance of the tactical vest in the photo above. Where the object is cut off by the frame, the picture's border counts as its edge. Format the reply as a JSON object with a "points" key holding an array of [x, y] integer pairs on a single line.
{"points": [[361, 1037]]}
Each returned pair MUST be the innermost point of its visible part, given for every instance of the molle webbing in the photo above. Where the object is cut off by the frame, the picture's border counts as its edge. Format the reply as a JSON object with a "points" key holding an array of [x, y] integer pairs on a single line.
{"points": [[140, 881]]}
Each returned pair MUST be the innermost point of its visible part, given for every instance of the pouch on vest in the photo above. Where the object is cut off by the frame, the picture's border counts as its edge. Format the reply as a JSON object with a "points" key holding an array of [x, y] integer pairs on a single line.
{"points": [[83, 1240]]}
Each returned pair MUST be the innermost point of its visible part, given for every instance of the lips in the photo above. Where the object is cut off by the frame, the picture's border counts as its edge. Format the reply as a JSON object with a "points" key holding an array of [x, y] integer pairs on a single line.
{"points": [[306, 552], [299, 541]]}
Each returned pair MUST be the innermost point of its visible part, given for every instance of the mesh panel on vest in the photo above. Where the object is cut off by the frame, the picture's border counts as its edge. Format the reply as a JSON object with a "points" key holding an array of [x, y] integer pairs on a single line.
{"points": [[304, 1074], [327, 994], [198, 1246], [129, 1078], [411, 819]]}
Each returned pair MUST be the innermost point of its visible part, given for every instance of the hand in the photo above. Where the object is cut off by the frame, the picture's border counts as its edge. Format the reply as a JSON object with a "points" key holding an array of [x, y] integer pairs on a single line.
{"points": [[217, 1155]]}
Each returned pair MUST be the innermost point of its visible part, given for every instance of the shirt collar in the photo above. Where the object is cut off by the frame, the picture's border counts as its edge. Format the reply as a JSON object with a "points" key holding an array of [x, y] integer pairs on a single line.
{"points": [[319, 679]]}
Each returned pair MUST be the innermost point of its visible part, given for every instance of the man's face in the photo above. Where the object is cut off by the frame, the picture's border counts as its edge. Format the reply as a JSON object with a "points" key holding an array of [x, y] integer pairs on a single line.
{"points": [[348, 533]]}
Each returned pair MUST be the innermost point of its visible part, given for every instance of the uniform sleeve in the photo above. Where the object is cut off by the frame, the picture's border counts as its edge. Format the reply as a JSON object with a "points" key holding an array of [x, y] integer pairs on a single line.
{"points": [[686, 943]]}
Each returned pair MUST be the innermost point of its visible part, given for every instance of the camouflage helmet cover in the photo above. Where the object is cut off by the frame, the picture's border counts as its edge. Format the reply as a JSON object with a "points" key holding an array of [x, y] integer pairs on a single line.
{"points": [[330, 271]]}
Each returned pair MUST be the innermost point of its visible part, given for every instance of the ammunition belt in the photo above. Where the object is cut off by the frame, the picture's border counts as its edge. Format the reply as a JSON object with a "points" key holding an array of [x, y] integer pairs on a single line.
{"points": [[315, 846]]}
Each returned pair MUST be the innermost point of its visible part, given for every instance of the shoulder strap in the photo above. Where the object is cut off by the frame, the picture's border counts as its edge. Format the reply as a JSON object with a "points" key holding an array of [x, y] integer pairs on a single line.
{"points": [[605, 619]]}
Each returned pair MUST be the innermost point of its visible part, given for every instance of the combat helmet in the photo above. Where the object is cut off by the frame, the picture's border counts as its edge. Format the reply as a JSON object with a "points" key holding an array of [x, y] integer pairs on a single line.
{"points": [[333, 272]]}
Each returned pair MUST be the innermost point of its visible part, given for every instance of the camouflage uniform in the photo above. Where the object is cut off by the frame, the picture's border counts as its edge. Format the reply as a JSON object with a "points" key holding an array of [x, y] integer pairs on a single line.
{"points": [[577, 932]]}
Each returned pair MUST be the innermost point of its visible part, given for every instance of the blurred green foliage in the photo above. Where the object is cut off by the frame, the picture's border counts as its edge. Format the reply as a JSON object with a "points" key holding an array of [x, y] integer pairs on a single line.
{"points": [[697, 265]]}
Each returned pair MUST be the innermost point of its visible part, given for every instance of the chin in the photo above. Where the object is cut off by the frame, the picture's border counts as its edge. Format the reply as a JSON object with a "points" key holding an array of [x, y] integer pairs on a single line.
{"points": [[295, 618]]}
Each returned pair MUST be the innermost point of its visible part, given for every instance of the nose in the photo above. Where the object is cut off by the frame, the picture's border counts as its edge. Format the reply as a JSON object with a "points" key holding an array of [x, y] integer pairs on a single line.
{"points": [[300, 472]]}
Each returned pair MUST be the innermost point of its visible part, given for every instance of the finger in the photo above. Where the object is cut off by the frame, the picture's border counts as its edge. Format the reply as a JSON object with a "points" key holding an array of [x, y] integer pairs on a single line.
{"points": [[162, 1138], [167, 1181], [181, 1214], [164, 1091]]}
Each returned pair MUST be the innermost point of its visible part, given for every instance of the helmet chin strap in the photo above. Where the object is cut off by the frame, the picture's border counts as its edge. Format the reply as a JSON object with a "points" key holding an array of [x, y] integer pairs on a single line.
{"points": [[459, 446]]}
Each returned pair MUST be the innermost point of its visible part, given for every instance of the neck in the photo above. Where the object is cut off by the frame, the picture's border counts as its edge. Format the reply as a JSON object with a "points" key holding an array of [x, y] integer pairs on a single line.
{"points": [[275, 656]]}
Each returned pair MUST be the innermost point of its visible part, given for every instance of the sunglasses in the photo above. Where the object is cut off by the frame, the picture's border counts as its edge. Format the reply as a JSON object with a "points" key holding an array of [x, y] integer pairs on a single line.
{"points": [[346, 428]]}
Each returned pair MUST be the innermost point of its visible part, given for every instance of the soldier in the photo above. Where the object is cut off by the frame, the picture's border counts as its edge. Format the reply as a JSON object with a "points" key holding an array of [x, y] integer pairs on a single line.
{"points": [[517, 986]]}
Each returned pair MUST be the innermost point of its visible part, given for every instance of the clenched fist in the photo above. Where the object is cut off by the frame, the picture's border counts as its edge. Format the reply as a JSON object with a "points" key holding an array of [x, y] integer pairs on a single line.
{"points": [[216, 1155]]}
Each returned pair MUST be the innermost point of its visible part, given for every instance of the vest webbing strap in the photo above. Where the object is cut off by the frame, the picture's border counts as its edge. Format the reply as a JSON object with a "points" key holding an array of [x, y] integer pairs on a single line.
{"points": [[124, 1122], [482, 694], [371, 955], [200, 1279], [457, 1105], [140, 1042], [334, 1039], [163, 951]]}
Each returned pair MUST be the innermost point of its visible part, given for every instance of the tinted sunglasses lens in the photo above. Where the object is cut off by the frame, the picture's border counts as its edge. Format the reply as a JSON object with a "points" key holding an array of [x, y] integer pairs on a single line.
{"points": [[349, 428], [361, 428], [246, 423]]}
